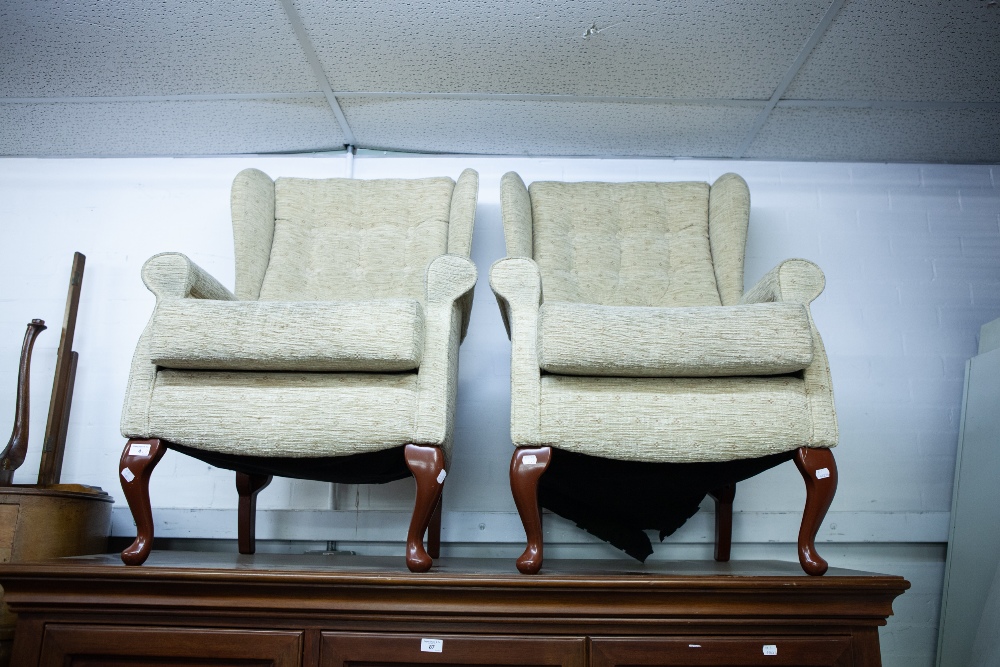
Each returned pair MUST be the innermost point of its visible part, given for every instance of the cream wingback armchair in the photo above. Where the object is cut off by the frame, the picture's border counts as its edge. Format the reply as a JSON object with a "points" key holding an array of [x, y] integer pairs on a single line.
{"points": [[336, 358], [643, 377]]}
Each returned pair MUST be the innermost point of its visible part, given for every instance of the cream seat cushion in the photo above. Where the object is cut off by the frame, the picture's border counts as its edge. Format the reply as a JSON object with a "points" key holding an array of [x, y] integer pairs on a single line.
{"points": [[698, 341], [381, 335]]}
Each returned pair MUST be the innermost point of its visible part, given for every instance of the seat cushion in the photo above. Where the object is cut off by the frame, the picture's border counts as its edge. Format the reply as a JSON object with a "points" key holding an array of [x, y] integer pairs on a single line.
{"points": [[700, 341], [680, 420], [283, 414], [379, 335]]}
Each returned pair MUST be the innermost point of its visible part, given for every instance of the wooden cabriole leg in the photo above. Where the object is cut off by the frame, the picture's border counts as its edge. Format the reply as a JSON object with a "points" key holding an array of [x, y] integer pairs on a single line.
{"points": [[427, 465], [723, 497], [434, 530], [819, 471], [138, 460], [526, 468], [248, 485]]}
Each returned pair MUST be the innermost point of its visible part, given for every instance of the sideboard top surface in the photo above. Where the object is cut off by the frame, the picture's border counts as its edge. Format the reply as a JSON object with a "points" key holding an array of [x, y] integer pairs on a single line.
{"points": [[384, 570]]}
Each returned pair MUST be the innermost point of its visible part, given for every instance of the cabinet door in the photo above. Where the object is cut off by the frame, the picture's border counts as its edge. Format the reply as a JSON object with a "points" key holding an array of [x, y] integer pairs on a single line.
{"points": [[107, 646], [395, 650], [728, 651]]}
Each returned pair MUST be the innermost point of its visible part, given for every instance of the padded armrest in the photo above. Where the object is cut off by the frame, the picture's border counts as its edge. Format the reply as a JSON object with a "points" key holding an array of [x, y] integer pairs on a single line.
{"points": [[517, 284], [452, 278], [171, 275], [794, 280]]}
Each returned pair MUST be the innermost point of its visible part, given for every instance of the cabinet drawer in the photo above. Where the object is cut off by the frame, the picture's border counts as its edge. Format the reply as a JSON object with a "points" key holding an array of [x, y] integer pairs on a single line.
{"points": [[110, 646], [371, 650], [728, 651]]}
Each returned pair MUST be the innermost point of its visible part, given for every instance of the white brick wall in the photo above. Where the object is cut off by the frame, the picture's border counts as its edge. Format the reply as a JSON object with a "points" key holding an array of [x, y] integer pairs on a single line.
{"points": [[911, 254]]}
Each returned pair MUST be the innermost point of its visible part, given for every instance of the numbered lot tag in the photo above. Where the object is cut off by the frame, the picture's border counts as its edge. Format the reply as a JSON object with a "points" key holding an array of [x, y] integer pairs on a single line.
{"points": [[770, 649], [822, 473], [432, 645], [128, 475], [530, 460], [138, 449]]}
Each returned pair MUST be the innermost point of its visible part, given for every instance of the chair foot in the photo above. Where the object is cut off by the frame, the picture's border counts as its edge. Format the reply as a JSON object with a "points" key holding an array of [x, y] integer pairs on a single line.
{"points": [[137, 462], [819, 471], [248, 485], [427, 465], [723, 497], [526, 468]]}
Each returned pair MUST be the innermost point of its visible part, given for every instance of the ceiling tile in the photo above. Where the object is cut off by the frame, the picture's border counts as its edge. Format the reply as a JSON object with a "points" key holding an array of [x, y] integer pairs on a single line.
{"points": [[119, 47], [908, 50], [168, 128], [884, 135], [547, 128], [692, 49]]}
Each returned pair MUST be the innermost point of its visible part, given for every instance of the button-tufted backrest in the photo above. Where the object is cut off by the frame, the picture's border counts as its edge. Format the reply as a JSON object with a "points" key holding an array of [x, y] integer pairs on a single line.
{"points": [[623, 244], [355, 239]]}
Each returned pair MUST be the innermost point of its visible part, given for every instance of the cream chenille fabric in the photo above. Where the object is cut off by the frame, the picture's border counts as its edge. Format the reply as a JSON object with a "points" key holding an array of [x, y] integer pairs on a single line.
{"points": [[342, 335], [631, 335]]}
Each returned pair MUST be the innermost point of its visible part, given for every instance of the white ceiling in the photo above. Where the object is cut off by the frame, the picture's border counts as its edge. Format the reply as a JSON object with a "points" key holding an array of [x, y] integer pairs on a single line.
{"points": [[865, 80]]}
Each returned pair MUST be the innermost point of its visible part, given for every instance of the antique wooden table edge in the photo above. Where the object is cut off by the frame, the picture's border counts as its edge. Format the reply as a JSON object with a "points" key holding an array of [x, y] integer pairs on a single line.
{"points": [[322, 597]]}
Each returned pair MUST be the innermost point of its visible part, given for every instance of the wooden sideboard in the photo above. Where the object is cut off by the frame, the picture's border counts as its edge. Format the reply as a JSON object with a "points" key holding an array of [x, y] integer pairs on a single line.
{"points": [[283, 611]]}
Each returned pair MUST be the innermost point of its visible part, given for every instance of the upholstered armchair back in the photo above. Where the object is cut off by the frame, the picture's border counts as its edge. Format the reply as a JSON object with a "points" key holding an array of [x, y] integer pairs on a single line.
{"points": [[331, 239], [640, 244]]}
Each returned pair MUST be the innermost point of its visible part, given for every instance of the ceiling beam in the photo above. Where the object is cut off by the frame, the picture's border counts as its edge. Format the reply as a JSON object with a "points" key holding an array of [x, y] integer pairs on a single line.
{"points": [[310, 53], [790, 75]]}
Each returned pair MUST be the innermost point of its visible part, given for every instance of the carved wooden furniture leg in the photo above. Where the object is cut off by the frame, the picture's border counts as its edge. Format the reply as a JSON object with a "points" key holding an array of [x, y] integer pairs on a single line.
{"points": [[723, 497], [427, 466], [248, 485], [13, 455], [434, 530], [137, 463], [819, 471], [526, 468]]}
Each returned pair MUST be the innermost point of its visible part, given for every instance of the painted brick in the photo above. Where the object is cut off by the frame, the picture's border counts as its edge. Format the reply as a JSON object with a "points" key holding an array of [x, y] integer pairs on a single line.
{"points": [[983, 200], [924, 199], [967, 223], [963, 176]]}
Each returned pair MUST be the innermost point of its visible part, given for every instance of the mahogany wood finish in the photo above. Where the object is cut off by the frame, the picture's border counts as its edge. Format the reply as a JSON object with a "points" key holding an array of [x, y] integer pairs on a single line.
{"points": [[434, 529], [526, 468], [819, 471], [13, 455], [138, 460], [248, 485], [85, 646], [222, 609], [427, 465], [730, 651], [723, 497], [54, 445], [359, 649]]}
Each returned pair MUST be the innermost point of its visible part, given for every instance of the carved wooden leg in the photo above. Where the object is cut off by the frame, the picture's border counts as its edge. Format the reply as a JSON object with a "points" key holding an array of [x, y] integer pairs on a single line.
{"points": [[427, 465], [526, 468], [723, 497], [248, 485], [434, 530], [819, 471], [137, 463]]}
